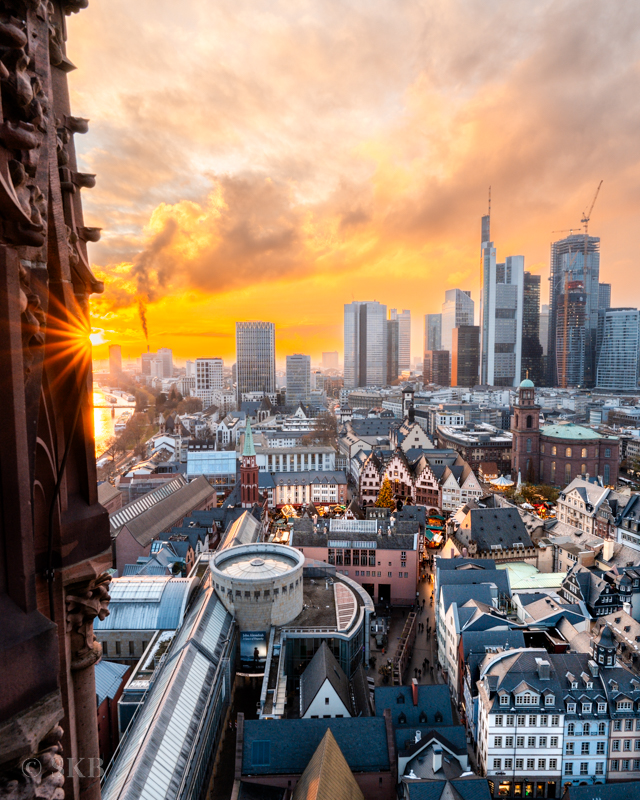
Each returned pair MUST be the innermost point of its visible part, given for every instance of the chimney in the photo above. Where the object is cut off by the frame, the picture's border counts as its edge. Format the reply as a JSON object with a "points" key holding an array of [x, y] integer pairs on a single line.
{"points": [[626, 607], [543, 669], [607, 550], [414, 690], [437, 758], [593, 668]]}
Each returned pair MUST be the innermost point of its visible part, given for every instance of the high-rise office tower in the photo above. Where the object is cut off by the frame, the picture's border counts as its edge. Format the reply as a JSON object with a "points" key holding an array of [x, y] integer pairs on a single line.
{"points": [[432, 331], [404, 337], [604, 295], [465, 356], [166, 355], [544, 328], [393, 348], [574, 298], [298, 379], [501, 311], [618, 343], [208, 379], [189, 369], [457, 310], [330, 360], [115, 360], [255, 357], [145, 362], [436, 368], [365, 344], [531, 346]]}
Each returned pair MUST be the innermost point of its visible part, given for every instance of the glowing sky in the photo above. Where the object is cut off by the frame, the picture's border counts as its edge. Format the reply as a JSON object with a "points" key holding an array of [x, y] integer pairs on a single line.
{"points": [[274, 160]]}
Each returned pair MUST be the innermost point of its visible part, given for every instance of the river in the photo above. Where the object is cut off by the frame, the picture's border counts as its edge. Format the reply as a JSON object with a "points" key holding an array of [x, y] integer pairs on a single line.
{"points": [[104, 421]]}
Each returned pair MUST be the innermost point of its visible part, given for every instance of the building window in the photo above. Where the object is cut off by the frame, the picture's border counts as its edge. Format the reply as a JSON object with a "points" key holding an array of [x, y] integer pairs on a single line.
{"points": [[117, 648], [520, 741], [531, 763], [584, 768], [585, 749], [568, 768], [568, 748], [552, 474], [519, 763], [553, 763], [554, 450], [600, 768], [583, 469], [607, 452], [531, 741], [615, 765], [497, 741], [497, 763], [567, 452], [529, 421], [105, 649], [509, 720], [542, 448], [625, 764], [528, 445], [607, 474], [555, 719], [615, 745], [583, 453], [553, 742], [567, 473], [504, 699]]}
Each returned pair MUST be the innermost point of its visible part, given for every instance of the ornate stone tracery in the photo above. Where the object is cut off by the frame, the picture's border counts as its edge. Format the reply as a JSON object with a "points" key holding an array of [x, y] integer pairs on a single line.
{"points": [[55, 535]]}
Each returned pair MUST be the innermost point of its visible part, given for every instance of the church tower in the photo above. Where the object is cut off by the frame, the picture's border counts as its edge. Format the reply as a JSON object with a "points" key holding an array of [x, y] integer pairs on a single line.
{"points": [[407, 400], [248, 470], [525, 428]]}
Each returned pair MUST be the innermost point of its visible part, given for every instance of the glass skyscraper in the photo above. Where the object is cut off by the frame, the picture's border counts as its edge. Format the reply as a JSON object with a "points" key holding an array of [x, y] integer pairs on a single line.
{"points": [[618, 343], [298, 379], [404, 337], [457, 311], [365, 344], [255, 357], [574, 300]]}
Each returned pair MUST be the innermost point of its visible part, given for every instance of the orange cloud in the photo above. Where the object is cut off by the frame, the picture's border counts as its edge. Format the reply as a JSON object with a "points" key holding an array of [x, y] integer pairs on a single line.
{"points": [[274, 161]]}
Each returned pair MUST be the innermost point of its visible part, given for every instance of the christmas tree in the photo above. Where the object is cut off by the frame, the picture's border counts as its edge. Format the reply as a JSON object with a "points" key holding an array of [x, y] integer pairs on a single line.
{"points": [[385, 497]]}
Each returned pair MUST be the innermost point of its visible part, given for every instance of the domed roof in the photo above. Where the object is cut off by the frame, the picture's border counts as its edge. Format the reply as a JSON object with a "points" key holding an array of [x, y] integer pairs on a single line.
{"points": [[527, 384]]}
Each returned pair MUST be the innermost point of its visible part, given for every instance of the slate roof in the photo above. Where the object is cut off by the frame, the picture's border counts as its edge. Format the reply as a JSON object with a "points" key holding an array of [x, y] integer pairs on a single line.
{"points": [[323, 666], [327, 776], [471, 577], [459, 789], [167, 512], [479, 641], [431, 700], [495, 526], [109, 676], [291, 743], [374, 426], [449, 564], [509, 672], [628, 790], [453, 737]]}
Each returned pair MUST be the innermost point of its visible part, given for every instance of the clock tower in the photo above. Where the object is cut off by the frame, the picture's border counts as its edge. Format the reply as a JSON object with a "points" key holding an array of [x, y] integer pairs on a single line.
{"points": [[248, 471]]}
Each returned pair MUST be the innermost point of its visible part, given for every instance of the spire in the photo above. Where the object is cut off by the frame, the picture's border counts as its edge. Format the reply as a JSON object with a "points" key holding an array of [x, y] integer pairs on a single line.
{"points": [[249, 449]]}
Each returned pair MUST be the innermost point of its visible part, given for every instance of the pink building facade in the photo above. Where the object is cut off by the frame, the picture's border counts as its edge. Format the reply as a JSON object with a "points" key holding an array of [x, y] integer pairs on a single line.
{"points": [[386, 565]]}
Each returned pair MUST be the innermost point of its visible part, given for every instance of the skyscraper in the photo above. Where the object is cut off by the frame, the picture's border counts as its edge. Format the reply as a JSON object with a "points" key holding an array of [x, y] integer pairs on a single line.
{"points": [[436, 367], [501, 311], [604, 295], [115, 361], [457, 310], [574, 298], [166, 355], [404, 337], [432, 331], [365, 344], [330, 360], [298, 379], [618, 343], [531, 346], [255, 357], [465, 356], [544, 329], [145, 362], [208, 379], [393, 348]]}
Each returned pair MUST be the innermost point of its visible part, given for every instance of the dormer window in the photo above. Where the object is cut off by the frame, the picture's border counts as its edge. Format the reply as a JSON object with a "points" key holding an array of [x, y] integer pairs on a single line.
{"points": [[402, 719], [624, 705], [571, 708], [602, 707], [549, 700], [400, 698], [589, 684], [504, 699], [574, 684], [586, 708]]}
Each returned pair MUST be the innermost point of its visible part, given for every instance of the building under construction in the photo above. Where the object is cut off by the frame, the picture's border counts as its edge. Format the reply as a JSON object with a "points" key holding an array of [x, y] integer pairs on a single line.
{"points": [[573, 311]]}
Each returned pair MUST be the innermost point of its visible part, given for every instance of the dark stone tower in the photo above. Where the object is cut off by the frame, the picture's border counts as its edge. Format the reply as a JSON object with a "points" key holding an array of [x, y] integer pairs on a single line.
{"points": [[604, 648], [525, 427], [54, 535], [248, 471]]}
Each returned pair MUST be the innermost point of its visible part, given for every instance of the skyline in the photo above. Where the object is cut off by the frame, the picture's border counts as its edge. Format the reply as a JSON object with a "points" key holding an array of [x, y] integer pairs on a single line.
{"points": [[363, 175]]}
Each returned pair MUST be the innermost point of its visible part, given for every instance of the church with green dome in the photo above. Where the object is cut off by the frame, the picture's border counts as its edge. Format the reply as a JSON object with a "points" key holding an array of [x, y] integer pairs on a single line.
{"points": [[556, 454]]}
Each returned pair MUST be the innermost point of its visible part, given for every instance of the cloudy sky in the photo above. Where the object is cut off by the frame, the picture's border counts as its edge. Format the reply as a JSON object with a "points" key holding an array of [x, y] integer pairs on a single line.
{"points": [[274, 160]]}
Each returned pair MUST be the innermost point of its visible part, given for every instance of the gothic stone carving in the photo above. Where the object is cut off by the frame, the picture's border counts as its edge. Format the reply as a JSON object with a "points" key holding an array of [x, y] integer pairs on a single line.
{"points": [[85, 602]]}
